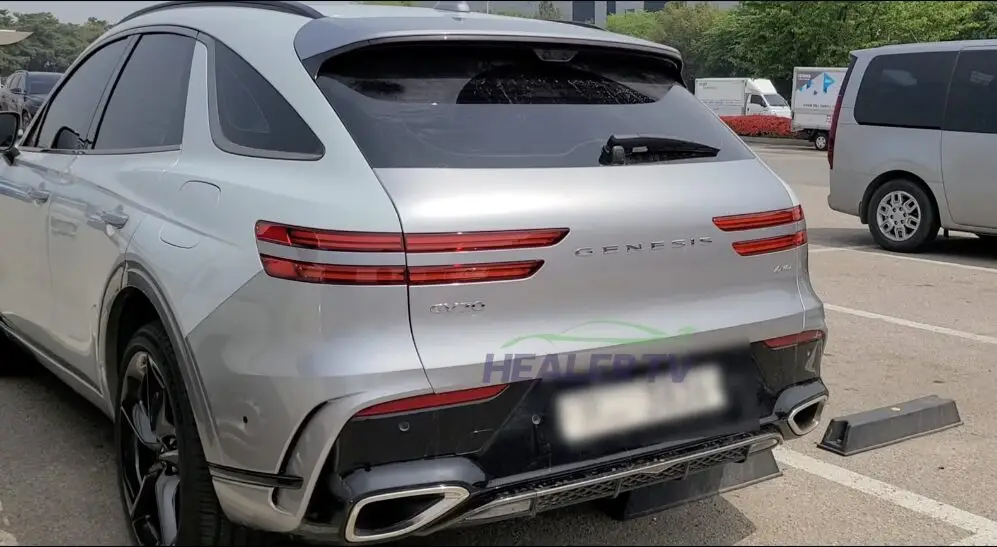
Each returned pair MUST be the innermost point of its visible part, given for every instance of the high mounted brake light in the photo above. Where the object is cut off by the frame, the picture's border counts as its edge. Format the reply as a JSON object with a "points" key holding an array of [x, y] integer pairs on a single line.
{"points": [[374, 242]]}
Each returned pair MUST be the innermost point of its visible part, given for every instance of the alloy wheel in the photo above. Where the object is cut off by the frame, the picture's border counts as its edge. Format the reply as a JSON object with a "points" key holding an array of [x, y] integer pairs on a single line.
{"points": [[898, 216], [150, 459]]}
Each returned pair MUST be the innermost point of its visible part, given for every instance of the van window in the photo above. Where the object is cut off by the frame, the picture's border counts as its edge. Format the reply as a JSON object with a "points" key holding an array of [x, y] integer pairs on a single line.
{"points": [[905, 90], [972, 103], [776, 100], [757, 99], [500, 105]]}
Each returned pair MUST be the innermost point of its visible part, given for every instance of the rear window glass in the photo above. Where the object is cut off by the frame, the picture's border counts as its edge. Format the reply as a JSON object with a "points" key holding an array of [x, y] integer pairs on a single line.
{"points": [[510, 106], [905, 90]]}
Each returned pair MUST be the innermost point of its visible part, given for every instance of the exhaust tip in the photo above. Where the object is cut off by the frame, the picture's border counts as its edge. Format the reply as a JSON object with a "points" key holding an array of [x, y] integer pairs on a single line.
{"points": [[806, 417], [395, 514]]}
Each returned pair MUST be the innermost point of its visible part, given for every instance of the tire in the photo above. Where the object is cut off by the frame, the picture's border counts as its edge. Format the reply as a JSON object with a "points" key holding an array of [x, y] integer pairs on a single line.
{"points": [[989, 238], [200, 520], [904, 195], [820, 141], [16, 360]]}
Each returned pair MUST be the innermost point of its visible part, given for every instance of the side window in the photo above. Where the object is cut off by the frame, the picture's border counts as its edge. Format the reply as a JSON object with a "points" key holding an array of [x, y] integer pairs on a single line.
{"points": [[905, 90], [757, 99], [972, 104], [16, 81], [68, 116], [253, 116], [149, 102]]}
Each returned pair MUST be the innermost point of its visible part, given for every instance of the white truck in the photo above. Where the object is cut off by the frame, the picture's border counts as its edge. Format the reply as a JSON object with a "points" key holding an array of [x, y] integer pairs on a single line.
{"points": [[815, 91], [741, 97]]}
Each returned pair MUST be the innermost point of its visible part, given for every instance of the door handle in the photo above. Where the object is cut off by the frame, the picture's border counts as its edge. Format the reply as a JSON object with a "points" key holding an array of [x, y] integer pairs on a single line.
{"points": [[113, 218], [38, 196]]}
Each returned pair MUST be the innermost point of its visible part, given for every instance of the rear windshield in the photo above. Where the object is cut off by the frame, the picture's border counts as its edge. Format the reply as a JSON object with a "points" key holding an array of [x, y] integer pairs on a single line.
{"points": [[469, 105], [42, 84]]}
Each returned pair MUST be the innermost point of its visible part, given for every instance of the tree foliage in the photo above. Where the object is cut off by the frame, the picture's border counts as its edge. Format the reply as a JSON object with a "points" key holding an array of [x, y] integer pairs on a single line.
{"points": [[52, 45], [548, 11]]}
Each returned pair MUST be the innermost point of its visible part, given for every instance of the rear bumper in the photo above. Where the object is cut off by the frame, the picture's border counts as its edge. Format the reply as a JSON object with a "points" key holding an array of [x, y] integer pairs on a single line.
{"points": [[424, 496]]}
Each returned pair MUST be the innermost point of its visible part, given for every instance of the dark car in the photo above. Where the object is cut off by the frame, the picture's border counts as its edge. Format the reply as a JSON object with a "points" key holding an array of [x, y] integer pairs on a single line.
{"points": [[25, 91]]}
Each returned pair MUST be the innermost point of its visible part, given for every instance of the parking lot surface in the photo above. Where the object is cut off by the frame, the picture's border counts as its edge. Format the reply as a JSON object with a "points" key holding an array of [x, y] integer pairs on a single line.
{"points": [[901, 327]]}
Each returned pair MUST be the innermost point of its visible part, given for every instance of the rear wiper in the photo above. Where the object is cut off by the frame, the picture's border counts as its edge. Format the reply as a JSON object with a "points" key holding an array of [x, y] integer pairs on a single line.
{"points": [[626, 149]]}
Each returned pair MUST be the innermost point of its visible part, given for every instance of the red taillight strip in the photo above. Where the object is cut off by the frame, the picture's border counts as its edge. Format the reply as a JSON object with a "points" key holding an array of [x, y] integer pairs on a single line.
{"points": [[483, 241], [794, 339], [770, 244], [754, 221], [333, 274], [434, 400], [339, 274], [379, 242], [473, 273], [329, 240]]}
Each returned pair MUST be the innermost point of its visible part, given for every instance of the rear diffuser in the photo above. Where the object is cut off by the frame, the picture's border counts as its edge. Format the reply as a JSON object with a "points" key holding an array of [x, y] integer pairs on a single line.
{"points": [[758, 467], [871, 429]]}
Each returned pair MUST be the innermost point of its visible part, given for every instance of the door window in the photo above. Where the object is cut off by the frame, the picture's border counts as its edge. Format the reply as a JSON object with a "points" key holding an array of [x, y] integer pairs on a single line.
{"points": [[149, 102], [71, 110], [972, 101], [757, 99], [905, 90]]}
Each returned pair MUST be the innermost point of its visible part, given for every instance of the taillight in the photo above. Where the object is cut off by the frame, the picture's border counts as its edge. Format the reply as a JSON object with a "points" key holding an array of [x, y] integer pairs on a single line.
{"points": [[765, 219], [833, 131], [783, 342], [754, 221], [399, 274], [770, 244], [434, 400]]}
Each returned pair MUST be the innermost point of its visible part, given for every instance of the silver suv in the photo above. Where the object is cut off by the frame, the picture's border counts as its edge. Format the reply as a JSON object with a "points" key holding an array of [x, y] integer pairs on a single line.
{"points": [[374, 272]]}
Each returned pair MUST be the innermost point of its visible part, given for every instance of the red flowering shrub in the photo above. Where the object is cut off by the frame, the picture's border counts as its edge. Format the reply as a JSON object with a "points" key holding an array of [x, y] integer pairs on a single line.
{"points": [[760, 126]]}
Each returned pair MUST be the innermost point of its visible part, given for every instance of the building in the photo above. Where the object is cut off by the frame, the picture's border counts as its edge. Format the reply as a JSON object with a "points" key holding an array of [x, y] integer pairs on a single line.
{"points": [[584, 11]]}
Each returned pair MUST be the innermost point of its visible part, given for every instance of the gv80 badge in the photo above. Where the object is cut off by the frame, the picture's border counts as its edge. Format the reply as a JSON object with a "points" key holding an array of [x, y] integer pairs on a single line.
{"points": [[628, 248]]}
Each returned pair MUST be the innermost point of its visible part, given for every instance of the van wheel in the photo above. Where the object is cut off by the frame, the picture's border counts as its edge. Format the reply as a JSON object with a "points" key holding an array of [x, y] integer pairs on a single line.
{"points": [[901, 217], [820, 141], [166, 488]]}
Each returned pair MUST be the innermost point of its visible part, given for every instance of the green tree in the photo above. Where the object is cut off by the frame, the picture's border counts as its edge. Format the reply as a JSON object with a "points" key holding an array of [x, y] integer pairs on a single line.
{"points": [[639, 24], [548, 11]]}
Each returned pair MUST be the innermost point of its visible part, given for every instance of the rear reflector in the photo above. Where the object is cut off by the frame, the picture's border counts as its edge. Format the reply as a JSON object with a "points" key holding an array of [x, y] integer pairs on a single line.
{"points": [[434, 400], [333, 274], [326, 240], [754, 221], [783, 342], [483, 241], [770, 244]]}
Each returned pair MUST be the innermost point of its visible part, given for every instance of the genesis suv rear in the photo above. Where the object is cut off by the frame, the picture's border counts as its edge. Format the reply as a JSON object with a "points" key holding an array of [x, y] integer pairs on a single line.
{"points": [[379, 272]]}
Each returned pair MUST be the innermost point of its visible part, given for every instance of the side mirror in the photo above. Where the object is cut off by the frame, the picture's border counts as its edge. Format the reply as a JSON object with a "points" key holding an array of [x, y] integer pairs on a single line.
{"points": [[10, 129]]}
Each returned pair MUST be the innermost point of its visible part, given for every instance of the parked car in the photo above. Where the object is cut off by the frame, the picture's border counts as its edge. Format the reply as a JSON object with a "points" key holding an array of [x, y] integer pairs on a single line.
{"points": [[25, 91], [911, 148], [290, 266]]}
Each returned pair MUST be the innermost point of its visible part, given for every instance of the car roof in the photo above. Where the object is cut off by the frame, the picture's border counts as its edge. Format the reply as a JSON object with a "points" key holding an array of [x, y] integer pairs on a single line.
{"points": [[923, 47]]}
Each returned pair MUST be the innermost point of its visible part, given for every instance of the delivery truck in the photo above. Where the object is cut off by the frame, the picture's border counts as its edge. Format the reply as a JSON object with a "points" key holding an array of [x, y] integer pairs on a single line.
{"points": [[815, 91], [741, 97]]}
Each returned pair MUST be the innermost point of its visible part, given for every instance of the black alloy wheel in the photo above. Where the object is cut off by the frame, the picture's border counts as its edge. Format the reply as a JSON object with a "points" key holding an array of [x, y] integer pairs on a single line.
{"points": [[149, 457]]}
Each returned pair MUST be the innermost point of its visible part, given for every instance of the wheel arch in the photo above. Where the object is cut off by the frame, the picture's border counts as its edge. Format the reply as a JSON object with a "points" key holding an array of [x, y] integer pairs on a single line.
{"points": [[134, 297], [887, 177]]}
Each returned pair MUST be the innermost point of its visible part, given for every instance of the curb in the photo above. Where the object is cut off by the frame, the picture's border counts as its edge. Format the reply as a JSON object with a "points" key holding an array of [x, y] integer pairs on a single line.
{"points": [[774, 141]]}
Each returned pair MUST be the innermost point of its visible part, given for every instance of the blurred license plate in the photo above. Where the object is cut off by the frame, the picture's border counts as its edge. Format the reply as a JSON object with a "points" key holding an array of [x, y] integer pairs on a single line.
{"points": [[592, 413]]}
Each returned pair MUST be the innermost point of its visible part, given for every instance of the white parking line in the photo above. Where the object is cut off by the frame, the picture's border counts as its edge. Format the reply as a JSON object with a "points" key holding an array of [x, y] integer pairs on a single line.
{"points": [[818, 249], [982, 527], [914, 324], [868, 249]]}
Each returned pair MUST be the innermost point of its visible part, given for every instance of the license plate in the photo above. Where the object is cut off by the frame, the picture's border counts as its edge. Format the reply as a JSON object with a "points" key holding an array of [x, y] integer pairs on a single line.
{"points": [[596, 412]]}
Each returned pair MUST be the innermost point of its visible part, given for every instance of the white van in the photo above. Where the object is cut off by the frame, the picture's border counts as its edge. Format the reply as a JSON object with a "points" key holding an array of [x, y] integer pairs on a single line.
{"points": [[913, 139], [742, 97]]}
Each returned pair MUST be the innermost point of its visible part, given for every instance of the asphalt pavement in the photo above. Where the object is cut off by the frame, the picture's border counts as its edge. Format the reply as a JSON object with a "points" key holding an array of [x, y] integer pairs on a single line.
{"points": [[901, 327]]}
